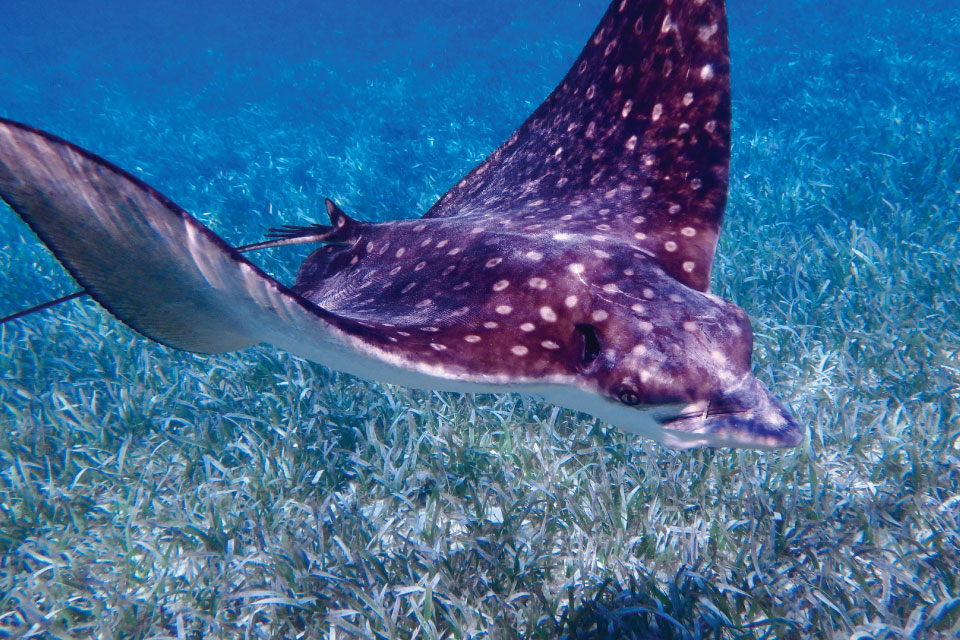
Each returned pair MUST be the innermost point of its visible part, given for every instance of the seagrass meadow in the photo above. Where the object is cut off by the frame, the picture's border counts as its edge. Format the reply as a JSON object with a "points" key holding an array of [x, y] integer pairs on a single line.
{"points": [[151, 493]]}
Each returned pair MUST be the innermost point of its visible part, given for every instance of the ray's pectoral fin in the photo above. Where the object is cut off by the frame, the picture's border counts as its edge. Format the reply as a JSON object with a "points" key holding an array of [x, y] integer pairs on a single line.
{"points": [[141, 256], [634, 143]]}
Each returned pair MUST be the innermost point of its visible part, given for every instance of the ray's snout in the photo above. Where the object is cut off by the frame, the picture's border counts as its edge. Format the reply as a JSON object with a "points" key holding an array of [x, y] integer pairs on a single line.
{"points": [[746, 415]]}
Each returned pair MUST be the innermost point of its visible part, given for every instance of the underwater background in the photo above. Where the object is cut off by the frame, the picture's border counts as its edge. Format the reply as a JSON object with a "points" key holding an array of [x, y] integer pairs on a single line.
{"points": [[148, 493]]}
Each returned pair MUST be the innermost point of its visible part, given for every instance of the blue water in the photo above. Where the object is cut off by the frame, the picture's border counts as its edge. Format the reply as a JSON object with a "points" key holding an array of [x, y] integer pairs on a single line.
{"points": [[413, 93], [383, 106]]}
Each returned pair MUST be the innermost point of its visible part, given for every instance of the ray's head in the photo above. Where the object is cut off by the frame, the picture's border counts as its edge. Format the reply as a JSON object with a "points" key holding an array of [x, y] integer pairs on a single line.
{"points": [[654, 342]]}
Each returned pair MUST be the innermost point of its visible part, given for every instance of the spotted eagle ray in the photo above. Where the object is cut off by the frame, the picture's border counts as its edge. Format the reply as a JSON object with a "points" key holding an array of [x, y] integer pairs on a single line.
{"points": [[573, 264]]}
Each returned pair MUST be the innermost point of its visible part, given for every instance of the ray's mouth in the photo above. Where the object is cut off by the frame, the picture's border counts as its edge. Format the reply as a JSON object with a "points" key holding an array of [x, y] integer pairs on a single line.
{"points": [[707, 411]]}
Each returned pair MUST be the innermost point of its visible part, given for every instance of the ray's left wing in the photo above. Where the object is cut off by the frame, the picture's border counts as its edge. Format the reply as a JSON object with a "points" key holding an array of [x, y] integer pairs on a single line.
{"points": [[161, 272], [633, 144]]}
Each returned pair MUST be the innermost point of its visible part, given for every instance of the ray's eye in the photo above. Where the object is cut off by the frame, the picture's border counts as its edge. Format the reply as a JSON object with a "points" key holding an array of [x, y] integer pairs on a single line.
{"points": [[629, 397], [590, 341]]}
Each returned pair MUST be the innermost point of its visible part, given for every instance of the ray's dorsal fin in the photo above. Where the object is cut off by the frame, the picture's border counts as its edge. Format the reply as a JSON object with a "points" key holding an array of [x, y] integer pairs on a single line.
{"points": [[344, 224], [634, 142]]}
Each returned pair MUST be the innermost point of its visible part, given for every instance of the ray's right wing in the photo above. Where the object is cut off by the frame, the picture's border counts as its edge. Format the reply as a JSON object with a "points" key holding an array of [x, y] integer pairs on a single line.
{"points": [[633, 143]]}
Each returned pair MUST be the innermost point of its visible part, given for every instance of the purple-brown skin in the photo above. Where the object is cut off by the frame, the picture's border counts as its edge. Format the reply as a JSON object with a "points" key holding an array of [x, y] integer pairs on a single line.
{"points": [[577, 255]]}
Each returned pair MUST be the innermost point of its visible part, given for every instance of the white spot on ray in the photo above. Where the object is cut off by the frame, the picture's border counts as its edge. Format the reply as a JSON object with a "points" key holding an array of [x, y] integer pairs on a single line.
{"points": [[657, 112], [519, 350], [492, 262], [528, 327], [670, 246], [688, 232], [472, 338], [536, 256], [538, 283], [501, 285], [705, 33], [611, 288], [599, 315], [576, 268], [689, 266], [504, 309], [549, 344], [548, 314], [571, 302], [438, 347], [706, 73], [490, 325], [400, 252]]}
